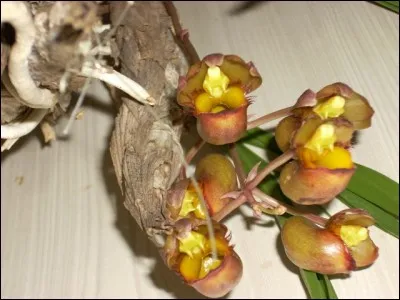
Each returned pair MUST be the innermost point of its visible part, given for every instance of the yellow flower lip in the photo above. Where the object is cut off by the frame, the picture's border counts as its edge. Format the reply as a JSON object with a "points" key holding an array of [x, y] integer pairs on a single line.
{"points": [[353, 235], [216, 82], [191, 204], [332, 108], [193, 244], [323, 138], [337, 158], [218, 96]]}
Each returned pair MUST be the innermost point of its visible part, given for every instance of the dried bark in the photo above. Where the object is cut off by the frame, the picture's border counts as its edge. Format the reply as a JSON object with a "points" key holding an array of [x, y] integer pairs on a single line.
{"points": [[145, 156], [145, 146]]}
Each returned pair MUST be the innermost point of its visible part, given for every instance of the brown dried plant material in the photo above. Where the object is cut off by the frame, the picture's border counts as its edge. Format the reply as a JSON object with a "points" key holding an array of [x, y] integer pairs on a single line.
{"points": [[48, 132], [61, 30], [145, 155]]}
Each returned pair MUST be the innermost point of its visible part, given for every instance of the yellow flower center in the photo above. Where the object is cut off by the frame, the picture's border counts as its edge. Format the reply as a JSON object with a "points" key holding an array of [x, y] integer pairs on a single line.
{"points": [[208, 264], [216, 82], [320, 151], [218, 96], [323, 138], [331, 108], [353, 235], [197, 268], [193, 244], [338, 158], [191, 203], [197, 262]]}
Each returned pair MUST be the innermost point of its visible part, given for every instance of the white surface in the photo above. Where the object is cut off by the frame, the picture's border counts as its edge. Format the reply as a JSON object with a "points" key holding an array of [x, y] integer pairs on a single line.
{"points": [[64, 232]]}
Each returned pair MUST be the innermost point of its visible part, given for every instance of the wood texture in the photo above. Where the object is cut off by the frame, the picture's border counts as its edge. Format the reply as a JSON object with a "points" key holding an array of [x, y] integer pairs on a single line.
{"points": [[64, 230]]}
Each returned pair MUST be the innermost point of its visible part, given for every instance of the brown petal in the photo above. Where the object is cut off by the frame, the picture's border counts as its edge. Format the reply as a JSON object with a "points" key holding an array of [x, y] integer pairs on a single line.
{"points": [[306, 131], [224, 127], [313, 186], [215, 59], [365, 253], [175, 197], [304, 112], [351, 216], [308, 98], [337, 88], [313, 248], [357, 109], [192, 85], [240, 73], [218, 177], [170, 253], [285, 130], [344, 130]]}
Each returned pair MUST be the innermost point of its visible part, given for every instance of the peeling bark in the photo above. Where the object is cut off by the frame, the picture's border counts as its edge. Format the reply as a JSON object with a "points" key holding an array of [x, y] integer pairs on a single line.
{"points": [[145, 157]]}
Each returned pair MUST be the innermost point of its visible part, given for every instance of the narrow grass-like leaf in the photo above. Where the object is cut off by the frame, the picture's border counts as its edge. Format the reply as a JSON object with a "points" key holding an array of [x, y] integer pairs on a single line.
{"points": [[391, 5], [258, 137], [318, 286], [329, 287], [315, 286], [376, 188], [384, 220]]}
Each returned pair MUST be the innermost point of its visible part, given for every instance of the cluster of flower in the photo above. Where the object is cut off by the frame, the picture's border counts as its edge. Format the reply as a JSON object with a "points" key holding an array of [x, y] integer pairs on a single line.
{"points": [[317, 131]]}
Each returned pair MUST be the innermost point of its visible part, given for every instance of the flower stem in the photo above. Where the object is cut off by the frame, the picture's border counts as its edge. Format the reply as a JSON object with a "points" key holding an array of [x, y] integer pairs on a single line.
{"points": [[230, 207], [289, 209], [277, 162], [270, 117], [180, 33], [308, 98], [238, 164], [190, 155], [193, 151]]}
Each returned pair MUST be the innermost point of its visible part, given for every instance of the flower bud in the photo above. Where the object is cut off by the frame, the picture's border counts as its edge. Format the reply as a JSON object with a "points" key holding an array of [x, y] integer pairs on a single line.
{"points": [[316, 249], [217, 176], [341, 247]]}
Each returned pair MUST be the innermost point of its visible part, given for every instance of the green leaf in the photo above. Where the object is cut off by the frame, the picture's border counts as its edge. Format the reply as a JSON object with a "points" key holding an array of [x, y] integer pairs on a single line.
{"points": [[262, 139], [391, 5], [384, 220], [376, 188], [329, 287], [318, 286]]}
